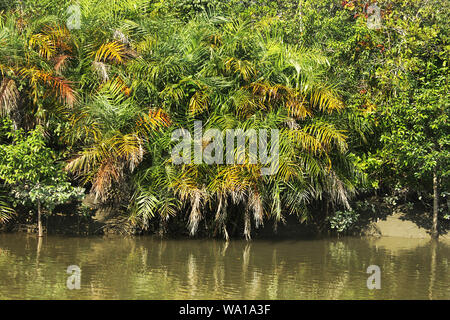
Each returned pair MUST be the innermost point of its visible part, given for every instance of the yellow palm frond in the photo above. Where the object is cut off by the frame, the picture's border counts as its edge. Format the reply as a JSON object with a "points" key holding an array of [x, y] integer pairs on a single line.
{"points": [[112, 51], [243, 67], [198, 102], [325, 99], [115, 87], [288, 169], [60, 36], [273, 93], [45, 45], [154, 120], [297, 107], [87, 160], [128, 147], [308, 142], [173, 92], [328, 135], [61, 86]]}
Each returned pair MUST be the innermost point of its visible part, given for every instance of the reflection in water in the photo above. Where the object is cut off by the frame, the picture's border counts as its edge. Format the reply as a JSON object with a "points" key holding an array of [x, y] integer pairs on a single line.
{"points": [[433, 269], [148, 268]]}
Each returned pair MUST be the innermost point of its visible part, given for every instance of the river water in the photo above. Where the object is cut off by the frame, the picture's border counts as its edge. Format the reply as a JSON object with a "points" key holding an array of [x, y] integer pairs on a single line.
{"points": [[150, 268]]}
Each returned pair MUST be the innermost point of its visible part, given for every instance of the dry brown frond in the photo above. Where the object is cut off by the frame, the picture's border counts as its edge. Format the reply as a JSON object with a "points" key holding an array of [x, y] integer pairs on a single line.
{"points": [[9, 96]]}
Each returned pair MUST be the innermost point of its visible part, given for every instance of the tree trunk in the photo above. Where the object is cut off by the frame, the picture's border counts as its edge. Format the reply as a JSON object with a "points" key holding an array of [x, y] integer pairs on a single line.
{"points": [[434, 230], [162, 226], [40, 233]]}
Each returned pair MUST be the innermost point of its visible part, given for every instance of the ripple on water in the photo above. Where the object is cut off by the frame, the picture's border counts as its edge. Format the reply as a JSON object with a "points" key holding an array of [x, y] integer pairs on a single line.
{"points": [[145, 268]]}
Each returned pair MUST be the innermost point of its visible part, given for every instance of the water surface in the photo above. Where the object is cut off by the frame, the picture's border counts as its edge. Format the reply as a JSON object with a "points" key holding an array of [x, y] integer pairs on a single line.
{"points": [[149, 268]]}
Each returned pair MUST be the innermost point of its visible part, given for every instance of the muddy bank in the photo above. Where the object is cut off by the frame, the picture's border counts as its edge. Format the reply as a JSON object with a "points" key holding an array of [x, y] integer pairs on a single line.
{"points": [[376, 219], [398, 225]]}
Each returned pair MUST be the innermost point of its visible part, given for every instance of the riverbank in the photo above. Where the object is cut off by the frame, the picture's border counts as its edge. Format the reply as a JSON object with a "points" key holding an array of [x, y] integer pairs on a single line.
{"points": [[398, 224], [375, 217]]}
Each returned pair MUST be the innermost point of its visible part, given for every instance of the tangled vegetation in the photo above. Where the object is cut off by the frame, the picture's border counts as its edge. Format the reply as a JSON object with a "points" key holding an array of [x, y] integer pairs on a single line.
{"points": [[91, 91]]}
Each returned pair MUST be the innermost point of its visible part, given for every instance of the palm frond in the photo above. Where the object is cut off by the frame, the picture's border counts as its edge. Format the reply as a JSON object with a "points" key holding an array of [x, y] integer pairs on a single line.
{"points": [[112, 51]]}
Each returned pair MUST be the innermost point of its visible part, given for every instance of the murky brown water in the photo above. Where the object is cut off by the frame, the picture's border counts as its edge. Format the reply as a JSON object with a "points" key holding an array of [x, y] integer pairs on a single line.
{"points": [[147, 268]]}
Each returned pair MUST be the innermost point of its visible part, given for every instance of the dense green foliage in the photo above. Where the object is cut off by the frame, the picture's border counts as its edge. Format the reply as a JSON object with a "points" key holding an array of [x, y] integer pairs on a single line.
{"points": [[29, 167], [103, 84]]}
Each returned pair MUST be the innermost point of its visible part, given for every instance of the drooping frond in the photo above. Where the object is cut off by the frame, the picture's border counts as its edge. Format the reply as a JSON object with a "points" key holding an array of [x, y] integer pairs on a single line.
{"points": [[196, 197], [61, 62], [198, 102], [51, 40], [45, 45], [325, 99], [6, 211], [109, 172], [84, 127], [9, 96], [297, 106], [328, 135], [112, 51], [102, 70], [128, 147], [154, 120], [243, 67], [61, 87]]}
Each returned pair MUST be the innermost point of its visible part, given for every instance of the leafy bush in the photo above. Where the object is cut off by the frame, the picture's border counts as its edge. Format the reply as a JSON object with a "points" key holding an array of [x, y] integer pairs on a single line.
{"points": [[342, 221]]}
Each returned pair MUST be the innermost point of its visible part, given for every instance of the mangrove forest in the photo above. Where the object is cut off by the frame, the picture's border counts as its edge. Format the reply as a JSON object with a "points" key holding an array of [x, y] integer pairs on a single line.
{"points": [[339, 110]]}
